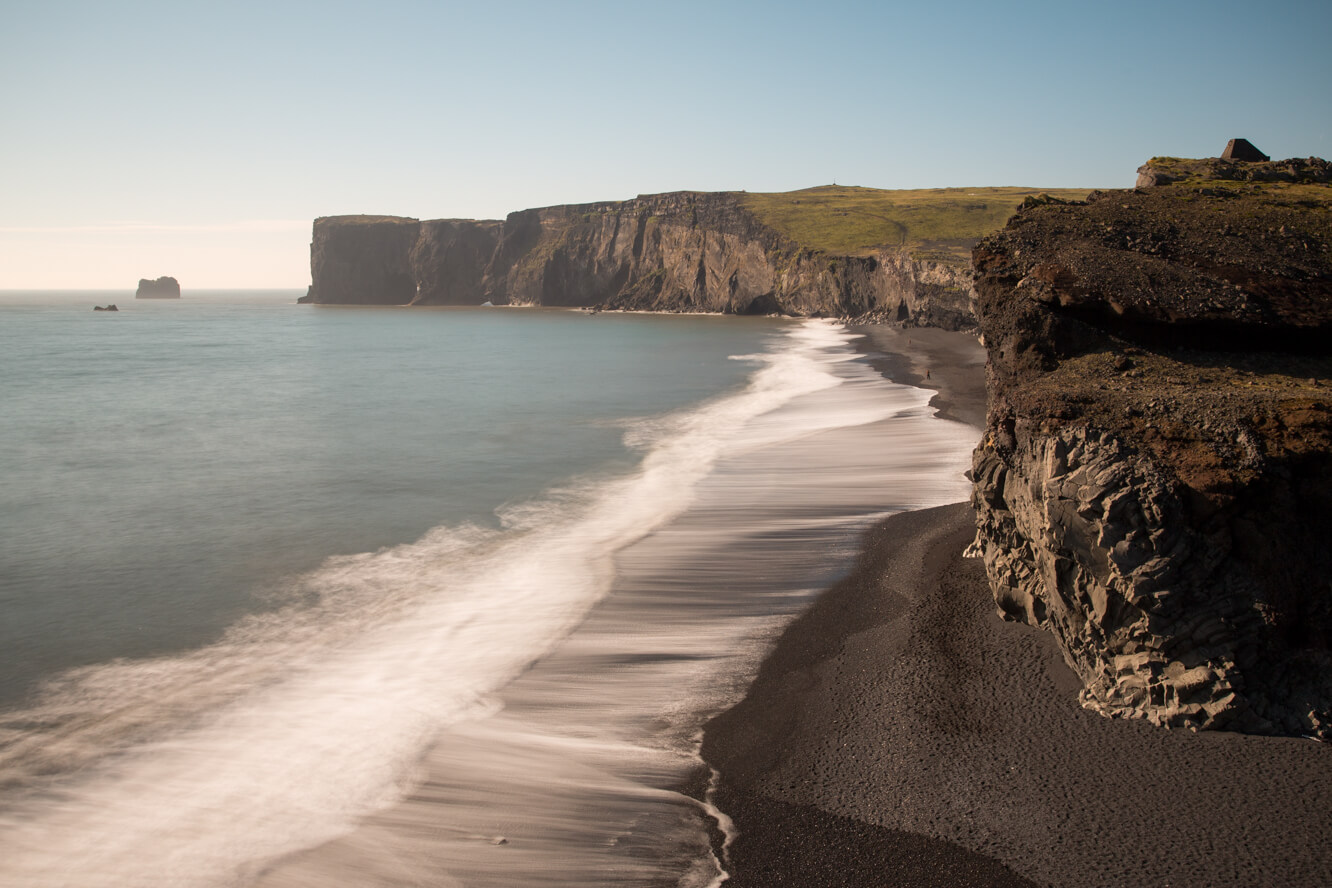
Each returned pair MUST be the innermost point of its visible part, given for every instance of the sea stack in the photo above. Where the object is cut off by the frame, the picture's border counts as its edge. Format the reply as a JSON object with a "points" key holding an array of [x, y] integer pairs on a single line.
{"points": [[162, 288], [1153, 483]]}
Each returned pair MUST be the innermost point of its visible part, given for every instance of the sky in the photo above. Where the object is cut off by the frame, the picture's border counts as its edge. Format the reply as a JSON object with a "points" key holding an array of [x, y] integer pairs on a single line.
{"points": [[200, 140]]}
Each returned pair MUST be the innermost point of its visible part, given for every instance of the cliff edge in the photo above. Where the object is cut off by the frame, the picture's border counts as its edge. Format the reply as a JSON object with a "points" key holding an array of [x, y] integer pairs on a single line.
{"points": [[833, 251], [1154, 482]]}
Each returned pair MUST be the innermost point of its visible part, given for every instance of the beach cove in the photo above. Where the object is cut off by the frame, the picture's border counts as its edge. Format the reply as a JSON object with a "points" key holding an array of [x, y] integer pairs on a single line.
{"points": [[896, 731], [470, 626], [900, 733]]}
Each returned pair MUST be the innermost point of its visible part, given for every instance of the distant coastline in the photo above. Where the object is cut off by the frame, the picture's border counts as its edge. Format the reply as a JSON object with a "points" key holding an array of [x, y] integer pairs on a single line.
{"points": [[875, 255]]}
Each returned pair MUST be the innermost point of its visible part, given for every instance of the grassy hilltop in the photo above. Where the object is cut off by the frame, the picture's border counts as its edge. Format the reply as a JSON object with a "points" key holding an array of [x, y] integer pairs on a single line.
{"points": [[941, 224]]}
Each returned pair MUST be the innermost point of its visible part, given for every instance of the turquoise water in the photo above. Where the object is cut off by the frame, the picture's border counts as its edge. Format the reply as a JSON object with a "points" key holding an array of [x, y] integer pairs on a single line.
{"points": [[299, 595]]}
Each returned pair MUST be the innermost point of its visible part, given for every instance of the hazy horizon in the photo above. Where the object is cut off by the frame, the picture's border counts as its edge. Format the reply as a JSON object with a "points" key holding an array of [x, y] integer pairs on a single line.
{"points": [[156, 140]]}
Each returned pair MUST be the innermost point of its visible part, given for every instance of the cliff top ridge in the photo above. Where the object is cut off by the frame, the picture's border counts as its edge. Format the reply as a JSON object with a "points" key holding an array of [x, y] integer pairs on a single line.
{"points": [[1231, 172], [939, 224], [365, 219], [1187, 315], [932, 224]]}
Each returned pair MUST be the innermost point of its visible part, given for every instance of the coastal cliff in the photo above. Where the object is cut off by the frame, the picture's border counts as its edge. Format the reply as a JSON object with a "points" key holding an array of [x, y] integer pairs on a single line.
{"points": [[1154, 481], [720, 252]]}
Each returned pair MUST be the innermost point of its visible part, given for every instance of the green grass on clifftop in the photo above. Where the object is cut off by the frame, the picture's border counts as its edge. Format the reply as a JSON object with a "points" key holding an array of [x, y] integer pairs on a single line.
{"points": [[1297, 178], [942, 224]]}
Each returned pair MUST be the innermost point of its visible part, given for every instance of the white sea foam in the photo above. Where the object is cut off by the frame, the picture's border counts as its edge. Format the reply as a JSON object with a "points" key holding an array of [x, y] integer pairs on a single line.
{"points": [[202, 769], [577, 771]]}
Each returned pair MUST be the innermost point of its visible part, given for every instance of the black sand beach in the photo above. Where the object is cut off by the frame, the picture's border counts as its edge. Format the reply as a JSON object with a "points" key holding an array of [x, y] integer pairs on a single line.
{"points": [[901, 734], [951, 363]]}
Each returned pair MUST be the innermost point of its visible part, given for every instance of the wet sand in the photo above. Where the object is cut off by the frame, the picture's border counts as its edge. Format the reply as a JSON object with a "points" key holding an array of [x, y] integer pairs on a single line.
{"points": [[901, 734], [953, 364], [572, 781]]}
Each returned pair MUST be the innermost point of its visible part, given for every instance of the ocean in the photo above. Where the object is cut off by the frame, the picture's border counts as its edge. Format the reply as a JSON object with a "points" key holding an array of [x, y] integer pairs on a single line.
{"points": [[312, 595]]}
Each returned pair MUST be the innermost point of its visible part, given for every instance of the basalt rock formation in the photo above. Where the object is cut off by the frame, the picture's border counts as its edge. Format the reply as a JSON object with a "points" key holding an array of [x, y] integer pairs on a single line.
{"points": [[162, 288], [1243, 149], [681, 251], [1154, 485], [363, 260]]}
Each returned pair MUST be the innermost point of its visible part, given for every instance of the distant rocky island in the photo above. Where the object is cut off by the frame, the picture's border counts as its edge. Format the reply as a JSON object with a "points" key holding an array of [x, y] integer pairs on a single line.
{"points": [[1154, 482], [162, 288], [837, 251]]}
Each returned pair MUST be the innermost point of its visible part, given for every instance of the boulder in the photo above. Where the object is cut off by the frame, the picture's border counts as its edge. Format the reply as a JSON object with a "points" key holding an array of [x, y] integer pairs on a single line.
{"points": [[1243, 150]]}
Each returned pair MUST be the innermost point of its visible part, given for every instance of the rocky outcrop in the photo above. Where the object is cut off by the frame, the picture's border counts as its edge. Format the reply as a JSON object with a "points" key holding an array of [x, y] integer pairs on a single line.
{"points": [[1154, 486], [1243, 149], [363, 260], [162, 288], [682, 251], [1201, 171]]}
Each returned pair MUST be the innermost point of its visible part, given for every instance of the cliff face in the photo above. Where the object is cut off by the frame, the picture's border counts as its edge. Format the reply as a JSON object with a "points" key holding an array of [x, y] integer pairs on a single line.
{"points": [[1154, 483], [667, 252], [363, 260]]}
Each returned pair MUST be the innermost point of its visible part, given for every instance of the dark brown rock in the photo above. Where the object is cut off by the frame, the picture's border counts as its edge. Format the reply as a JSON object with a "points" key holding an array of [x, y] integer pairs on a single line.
{"points": [[1153, 483], [1208, 172], [1243, 150], [681, 251], [162, 288], [362, 260], [449, 260]]}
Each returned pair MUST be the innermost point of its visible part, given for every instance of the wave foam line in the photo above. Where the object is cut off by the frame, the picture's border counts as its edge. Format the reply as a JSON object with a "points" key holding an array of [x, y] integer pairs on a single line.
{"points": [[197, 769], [575, 772]]}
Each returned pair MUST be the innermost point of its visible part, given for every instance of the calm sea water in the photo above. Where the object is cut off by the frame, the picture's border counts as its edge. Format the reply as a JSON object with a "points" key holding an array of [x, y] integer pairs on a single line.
{"points": [[298, 595]]}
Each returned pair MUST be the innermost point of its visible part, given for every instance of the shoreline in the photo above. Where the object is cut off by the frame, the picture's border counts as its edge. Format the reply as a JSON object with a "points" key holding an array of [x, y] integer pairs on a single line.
{"points": [[900, 733], [574, 775], [786, 771], [951, 363]]}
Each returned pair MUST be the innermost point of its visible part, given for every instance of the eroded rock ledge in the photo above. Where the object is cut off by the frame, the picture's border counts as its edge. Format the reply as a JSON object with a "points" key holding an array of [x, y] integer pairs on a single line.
{"points": [[1155, 481], [682, 251]]}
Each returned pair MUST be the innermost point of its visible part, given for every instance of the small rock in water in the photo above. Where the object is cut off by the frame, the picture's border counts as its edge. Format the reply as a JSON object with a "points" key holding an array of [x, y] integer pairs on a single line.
{"points": [[499, 840]]}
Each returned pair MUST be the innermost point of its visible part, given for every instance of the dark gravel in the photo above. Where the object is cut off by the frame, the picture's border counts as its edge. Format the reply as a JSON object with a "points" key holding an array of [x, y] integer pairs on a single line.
{"points": [[901, 734]]}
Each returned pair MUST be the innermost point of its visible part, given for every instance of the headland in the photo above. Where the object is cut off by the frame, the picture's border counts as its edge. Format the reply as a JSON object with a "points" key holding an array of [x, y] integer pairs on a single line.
{"points": [[833, 251], [1150, 493]]}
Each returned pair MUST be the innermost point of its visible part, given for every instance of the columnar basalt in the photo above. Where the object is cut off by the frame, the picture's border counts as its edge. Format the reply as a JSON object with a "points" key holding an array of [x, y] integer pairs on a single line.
{"points": [[1154, 480]]}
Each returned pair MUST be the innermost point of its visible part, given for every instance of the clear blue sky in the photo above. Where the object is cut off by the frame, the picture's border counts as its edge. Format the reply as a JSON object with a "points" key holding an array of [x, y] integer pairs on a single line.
{"points": [[200, 140]]}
